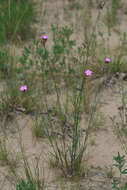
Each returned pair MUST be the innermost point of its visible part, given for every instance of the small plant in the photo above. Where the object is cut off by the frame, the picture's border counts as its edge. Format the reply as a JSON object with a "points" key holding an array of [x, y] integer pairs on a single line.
{"points": [[39, 128], [119, 164], [25, 185], [118, 65], [14, 17]]}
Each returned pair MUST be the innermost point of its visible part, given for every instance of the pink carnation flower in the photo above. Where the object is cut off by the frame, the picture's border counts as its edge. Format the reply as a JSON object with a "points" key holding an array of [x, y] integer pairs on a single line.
{"points": [[44, 37], [23, 88], [88, 72], [107, 60]]}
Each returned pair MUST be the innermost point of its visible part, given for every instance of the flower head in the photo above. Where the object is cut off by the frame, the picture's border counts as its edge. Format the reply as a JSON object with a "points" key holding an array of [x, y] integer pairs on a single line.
{"points": [[88, 72], [23, 88], [107, 60], [44, 37]]}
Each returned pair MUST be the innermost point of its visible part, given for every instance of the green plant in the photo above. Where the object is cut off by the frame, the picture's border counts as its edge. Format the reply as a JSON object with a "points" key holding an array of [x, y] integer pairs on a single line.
{"points": [[117, 65], [25, 185], [39, 127], [119, 164], [67, 152], [14, 17]]}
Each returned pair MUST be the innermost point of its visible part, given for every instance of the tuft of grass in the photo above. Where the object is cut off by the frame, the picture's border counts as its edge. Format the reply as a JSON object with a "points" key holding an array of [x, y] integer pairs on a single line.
{"points": [[39, 129], [118, 65], [15, 15], [25, 185]]}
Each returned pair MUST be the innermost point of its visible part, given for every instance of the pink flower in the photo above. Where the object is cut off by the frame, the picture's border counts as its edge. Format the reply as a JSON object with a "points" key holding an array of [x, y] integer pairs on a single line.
{"points": [[23, 88], [88, 72], [107, 60], [44, 37]]}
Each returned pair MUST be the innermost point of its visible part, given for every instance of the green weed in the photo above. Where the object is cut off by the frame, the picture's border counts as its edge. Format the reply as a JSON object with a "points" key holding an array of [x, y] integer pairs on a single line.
{"points": [[14, 17], [24, 185], [119, 164]]}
